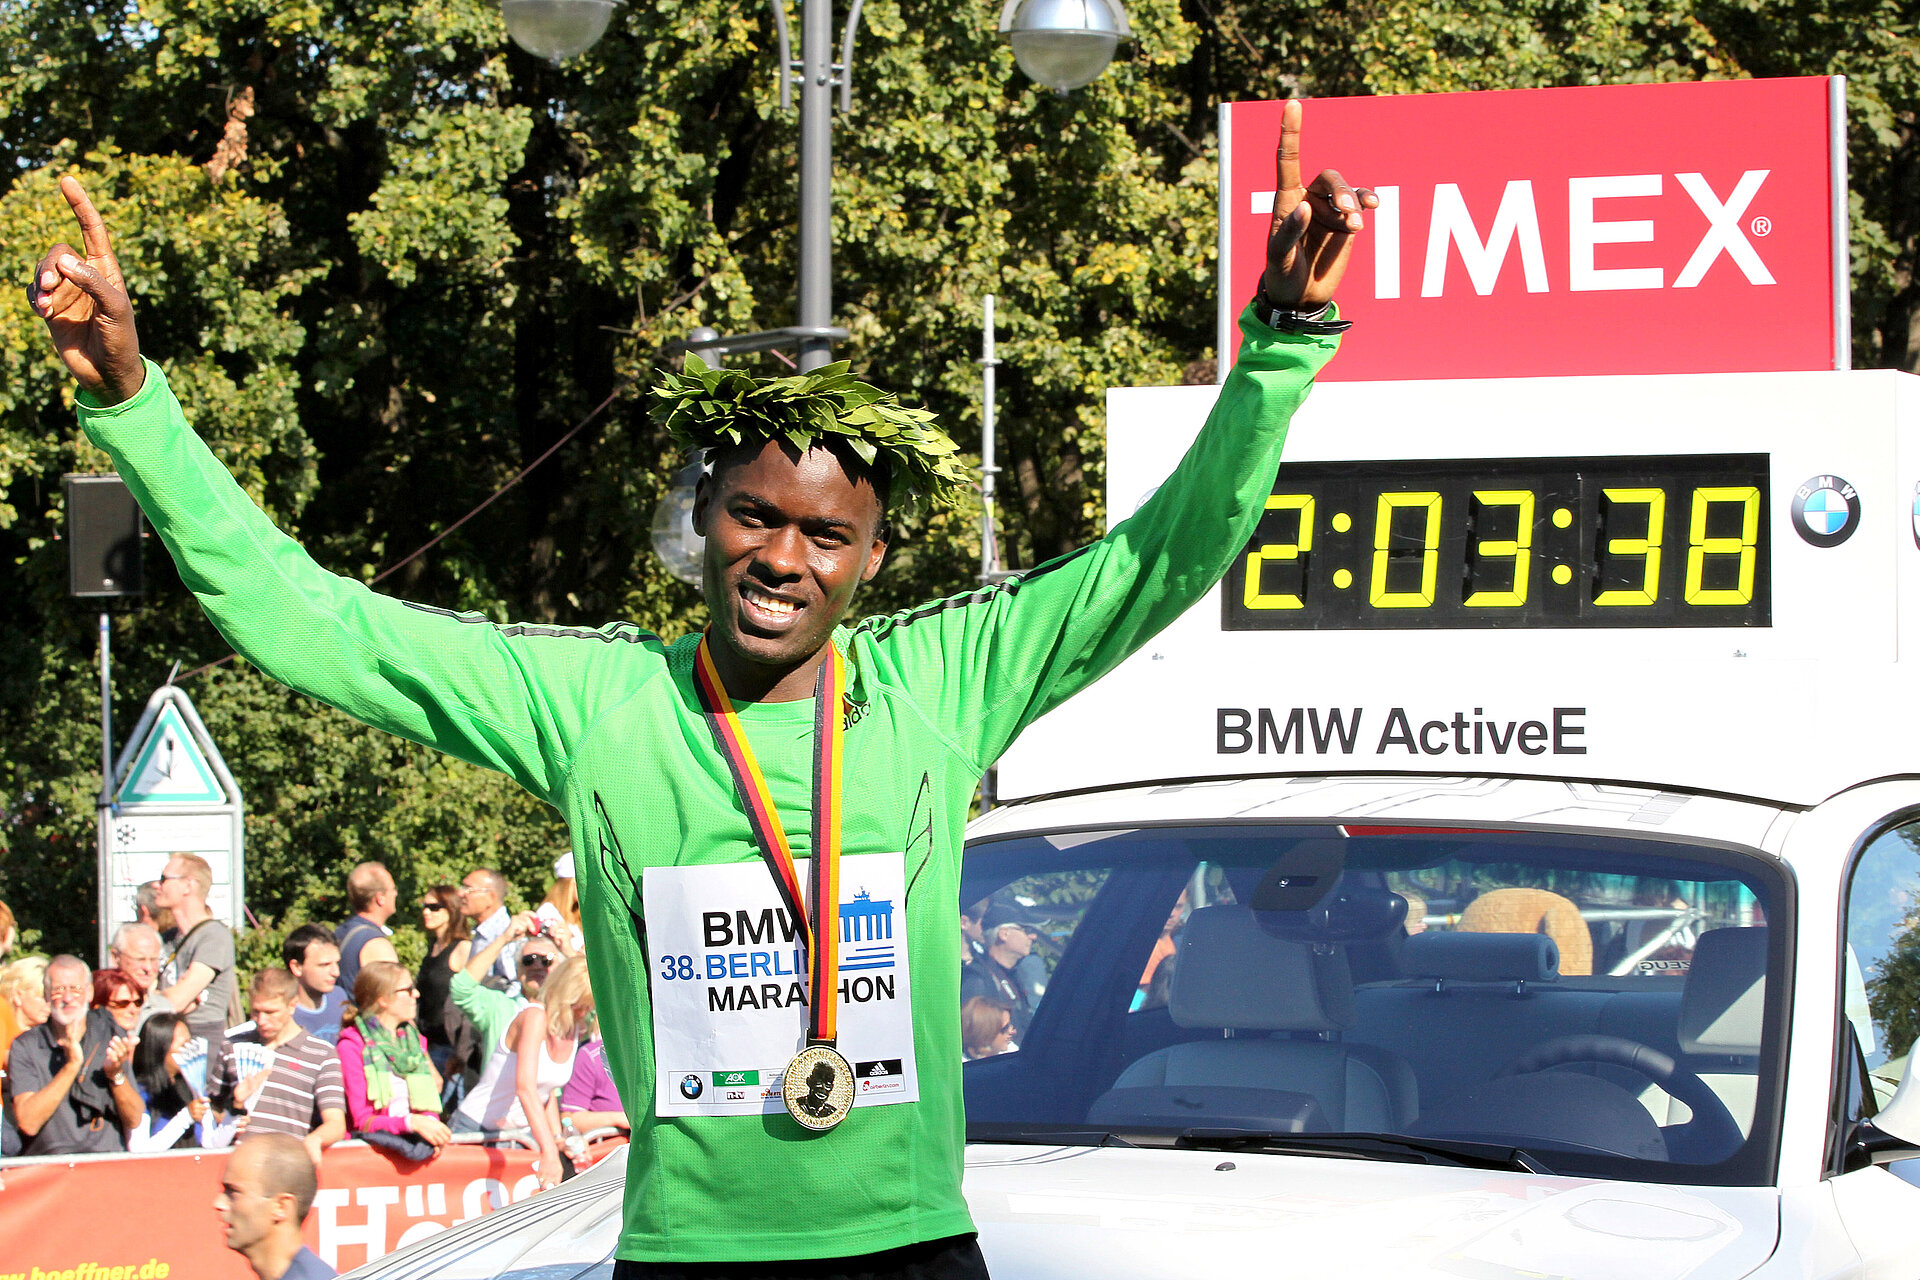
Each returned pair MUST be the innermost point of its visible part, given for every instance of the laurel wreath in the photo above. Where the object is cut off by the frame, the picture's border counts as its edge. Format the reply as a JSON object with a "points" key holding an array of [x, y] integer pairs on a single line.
{"points": [[716, 408]]}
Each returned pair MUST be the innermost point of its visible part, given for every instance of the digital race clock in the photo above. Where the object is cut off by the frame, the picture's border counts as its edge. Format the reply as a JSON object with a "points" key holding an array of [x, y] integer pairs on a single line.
{"points": [[1676, 541]]}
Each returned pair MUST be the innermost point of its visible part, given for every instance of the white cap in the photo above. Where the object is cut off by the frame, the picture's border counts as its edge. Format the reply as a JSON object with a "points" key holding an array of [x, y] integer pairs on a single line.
{"points": [[563, 866]]}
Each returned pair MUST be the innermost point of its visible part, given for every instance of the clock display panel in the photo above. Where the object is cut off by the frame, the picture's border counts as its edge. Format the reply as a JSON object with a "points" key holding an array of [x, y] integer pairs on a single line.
{"points": [[1673, 541]]}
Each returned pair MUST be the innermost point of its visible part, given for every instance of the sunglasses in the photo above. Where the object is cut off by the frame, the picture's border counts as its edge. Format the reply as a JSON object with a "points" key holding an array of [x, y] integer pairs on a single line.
{"points": [[433, 906], [545, 962], [123, 1004]]}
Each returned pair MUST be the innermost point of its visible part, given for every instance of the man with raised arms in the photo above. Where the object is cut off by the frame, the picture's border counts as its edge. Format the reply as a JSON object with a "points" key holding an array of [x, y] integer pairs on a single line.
{"points": [[698, 778]]}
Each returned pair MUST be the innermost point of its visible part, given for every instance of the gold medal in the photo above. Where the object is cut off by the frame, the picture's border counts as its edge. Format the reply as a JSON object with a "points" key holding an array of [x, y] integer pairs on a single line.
{"points": [[818, 1087]]}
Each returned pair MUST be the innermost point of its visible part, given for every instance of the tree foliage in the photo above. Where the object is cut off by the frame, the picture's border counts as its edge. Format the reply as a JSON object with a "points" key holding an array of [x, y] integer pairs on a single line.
{"points": [[389, 261]]}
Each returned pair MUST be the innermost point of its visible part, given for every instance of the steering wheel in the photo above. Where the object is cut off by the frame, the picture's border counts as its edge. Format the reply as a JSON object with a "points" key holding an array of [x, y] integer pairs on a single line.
{"points": [[1712, 1127]]}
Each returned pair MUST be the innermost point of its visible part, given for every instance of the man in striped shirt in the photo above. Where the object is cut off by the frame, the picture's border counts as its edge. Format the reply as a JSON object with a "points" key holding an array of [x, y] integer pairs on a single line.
{"points": [[298, 1092]]}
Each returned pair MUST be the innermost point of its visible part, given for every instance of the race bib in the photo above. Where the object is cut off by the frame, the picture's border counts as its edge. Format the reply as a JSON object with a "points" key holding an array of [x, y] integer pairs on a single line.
{"points": [[729, 985]]}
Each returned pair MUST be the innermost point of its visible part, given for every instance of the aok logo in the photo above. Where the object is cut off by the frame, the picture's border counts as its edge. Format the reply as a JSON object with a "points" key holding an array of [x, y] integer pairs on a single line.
{"points": [[1453, 230]]}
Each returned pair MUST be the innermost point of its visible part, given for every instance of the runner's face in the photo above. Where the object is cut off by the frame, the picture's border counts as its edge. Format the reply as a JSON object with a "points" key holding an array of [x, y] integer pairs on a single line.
{"points": [[247, 1215], [788, 542]]}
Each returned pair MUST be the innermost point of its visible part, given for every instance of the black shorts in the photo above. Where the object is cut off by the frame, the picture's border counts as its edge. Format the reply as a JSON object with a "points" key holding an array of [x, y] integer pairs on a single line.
{"points": [[954, 1258]]}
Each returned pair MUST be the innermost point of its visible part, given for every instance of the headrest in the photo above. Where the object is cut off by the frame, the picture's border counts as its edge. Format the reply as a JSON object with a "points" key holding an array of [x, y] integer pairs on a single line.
{"points": [[1231, 973], [1482, 957], [1724, 1002]]}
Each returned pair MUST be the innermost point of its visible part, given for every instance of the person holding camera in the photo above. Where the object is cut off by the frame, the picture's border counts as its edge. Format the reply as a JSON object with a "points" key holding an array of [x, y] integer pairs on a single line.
{"points": [[521, 1083], [490, 1010]]}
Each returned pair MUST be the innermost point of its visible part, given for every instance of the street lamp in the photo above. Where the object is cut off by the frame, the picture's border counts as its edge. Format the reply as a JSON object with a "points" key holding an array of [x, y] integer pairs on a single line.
{"points": [[1064, 44], [556, 29], [1060, 43]]}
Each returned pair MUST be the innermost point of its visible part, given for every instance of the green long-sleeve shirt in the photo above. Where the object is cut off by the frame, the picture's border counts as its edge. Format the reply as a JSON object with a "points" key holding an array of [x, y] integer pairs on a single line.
{"points": [[604, 724]]}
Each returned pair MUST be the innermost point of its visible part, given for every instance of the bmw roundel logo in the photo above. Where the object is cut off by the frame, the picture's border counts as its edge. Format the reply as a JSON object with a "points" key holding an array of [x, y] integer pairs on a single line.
{"points": [[1826, 511], [690, 1086]]}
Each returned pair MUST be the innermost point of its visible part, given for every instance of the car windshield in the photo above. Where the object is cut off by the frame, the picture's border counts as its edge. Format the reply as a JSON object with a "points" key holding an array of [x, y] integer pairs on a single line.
{"points": [[1584, 1004]]}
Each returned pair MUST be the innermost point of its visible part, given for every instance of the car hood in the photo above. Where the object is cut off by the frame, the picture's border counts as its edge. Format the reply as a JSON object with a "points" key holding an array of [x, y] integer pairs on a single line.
{"points": [[1122, 1213]]}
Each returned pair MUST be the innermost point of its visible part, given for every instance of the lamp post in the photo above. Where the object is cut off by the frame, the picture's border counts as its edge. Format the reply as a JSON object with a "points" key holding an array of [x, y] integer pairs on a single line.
{"points": [[1062, 44]]}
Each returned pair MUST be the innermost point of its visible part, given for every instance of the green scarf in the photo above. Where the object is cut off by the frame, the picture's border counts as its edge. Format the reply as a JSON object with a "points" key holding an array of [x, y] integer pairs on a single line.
{"points": [[403, 1055]]}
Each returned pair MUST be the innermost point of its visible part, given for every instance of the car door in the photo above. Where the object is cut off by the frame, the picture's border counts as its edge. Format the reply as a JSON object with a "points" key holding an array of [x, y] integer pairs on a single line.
{"points": [[1872, 1004]]}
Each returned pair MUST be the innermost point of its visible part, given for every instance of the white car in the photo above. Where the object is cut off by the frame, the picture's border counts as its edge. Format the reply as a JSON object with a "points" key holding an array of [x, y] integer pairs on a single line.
{"points": [[1653, 1072]]}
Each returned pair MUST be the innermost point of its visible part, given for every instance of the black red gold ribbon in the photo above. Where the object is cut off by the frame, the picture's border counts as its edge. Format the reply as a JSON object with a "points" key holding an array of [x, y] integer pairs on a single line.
{"points": [[820, 930]]}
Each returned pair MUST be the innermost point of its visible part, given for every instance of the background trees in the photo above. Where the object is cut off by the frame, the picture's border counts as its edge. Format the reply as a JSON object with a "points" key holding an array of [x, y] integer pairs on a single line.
{"points": [[389, 261]]}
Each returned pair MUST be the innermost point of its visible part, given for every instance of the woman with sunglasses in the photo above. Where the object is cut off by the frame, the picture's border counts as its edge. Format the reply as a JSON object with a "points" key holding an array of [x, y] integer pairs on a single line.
{"points": [[120, 996], [393, 1092], [447, 945]]}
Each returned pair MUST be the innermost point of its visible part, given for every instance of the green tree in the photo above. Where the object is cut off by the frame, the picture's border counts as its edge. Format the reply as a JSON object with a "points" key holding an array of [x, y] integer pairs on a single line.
{"points": [[389, 262]]}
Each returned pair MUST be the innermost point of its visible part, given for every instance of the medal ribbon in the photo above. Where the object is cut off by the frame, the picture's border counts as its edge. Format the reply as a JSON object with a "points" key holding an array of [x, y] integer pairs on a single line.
{"points": [[821, 931]]}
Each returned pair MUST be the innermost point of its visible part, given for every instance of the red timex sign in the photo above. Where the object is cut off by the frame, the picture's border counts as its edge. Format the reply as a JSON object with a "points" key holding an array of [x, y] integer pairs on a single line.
{"points": [[1650, 228]]}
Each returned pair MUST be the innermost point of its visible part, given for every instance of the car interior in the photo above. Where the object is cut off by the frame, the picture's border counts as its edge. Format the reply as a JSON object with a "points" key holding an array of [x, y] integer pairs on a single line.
{"points": [[1600, 1002]]}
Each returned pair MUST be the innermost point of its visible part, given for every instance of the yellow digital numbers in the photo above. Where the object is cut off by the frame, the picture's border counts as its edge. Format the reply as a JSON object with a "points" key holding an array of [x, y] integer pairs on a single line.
{"points": [[1378, 595], [1257, 558], [1519, 547], [1648, 548], [1700, 546], [1546, 543]]}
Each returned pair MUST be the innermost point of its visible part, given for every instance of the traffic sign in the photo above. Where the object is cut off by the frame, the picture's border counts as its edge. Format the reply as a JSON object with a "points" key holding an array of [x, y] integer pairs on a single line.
{"points": [[172, 793]]}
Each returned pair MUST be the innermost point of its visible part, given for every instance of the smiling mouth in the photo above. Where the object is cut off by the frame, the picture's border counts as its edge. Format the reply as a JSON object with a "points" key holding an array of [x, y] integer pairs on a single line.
{"points": [[766, 606]]}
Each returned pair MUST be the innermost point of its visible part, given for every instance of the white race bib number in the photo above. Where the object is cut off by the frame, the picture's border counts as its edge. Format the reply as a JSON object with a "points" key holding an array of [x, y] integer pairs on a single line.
{"points": [[729, 985]]}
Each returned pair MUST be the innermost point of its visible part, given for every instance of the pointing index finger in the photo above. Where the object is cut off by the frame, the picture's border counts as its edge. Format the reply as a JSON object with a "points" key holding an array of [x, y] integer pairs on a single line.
{"points": [[1289, 153], [93, 228]]}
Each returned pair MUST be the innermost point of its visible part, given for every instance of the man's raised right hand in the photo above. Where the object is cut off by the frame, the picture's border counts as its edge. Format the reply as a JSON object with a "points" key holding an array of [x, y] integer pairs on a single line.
{"points": [[84, 302]]}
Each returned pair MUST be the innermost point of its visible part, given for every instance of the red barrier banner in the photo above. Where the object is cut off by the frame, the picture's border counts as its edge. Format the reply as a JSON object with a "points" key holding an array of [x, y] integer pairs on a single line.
{"points": [[1612, 229], [152, 1217]]}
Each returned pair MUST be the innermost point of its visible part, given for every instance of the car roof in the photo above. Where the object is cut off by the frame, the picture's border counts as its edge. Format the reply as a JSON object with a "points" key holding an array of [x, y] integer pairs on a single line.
{"points": [[1393, 800]]}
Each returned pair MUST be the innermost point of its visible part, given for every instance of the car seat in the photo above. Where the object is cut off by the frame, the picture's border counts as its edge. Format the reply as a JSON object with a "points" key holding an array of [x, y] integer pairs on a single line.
{"points": [[1233, 978]]}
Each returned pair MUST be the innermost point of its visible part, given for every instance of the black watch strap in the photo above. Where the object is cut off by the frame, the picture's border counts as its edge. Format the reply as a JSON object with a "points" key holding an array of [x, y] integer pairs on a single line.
{"points": [[1287, 320]]}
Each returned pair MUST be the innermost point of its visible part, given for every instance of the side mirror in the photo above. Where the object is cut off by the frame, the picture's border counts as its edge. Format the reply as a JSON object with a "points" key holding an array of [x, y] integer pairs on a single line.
{"points": [[1893, 1133]]}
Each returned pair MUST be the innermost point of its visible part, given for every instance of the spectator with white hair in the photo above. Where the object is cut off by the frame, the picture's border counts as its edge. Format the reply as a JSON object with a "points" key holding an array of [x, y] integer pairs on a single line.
{"points": [[72, 1093], [201, 967], [483, 899], [136, 951]]}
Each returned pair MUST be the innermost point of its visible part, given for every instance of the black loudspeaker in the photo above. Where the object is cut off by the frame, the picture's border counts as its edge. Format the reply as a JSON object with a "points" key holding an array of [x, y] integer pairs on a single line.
{"points": [[104, 526]]}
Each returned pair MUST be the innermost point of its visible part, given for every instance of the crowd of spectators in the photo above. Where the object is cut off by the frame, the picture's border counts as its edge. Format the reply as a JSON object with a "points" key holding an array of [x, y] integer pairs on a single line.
{"points": [[494, 1033]]}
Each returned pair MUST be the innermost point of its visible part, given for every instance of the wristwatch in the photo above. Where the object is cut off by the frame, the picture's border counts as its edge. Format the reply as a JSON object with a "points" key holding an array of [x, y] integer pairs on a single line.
{"points": [[1287, 320]]}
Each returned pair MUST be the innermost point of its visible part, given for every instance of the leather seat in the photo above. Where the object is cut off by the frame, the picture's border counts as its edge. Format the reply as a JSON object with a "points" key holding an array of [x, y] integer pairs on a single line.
{"points": [[1233, 978]]}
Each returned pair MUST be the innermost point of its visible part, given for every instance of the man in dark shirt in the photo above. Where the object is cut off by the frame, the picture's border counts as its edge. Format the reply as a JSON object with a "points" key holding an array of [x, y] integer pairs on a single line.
{"points": [[363, 937], [71, 1092], [1010, 931]]}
